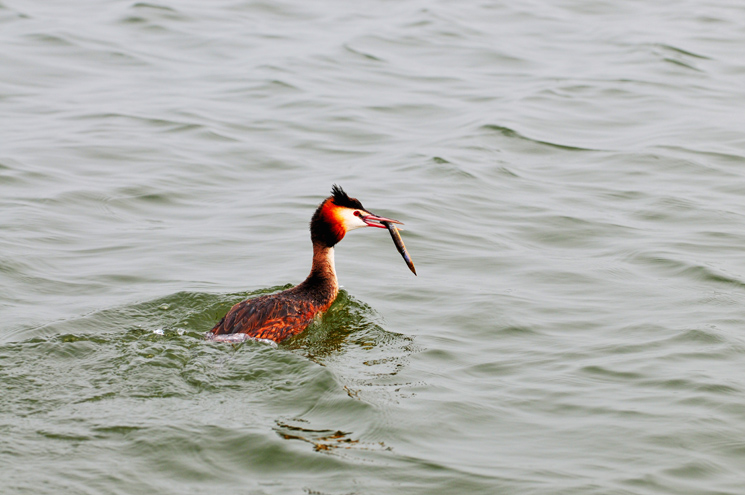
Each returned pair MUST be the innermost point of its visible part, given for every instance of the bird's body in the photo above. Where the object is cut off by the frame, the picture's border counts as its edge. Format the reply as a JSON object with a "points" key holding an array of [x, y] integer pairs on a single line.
{"points": [[284, 314]]}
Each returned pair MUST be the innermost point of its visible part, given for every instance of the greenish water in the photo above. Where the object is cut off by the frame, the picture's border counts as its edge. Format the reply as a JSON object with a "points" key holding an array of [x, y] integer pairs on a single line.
{"points": [[571, 178]]}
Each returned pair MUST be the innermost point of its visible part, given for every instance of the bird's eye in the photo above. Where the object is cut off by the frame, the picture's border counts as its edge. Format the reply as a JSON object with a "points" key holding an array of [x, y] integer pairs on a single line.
{"points": [[357, 213]]}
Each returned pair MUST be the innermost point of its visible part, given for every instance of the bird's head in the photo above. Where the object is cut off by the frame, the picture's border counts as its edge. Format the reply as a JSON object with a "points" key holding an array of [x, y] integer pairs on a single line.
{"points": [[338, 214]]}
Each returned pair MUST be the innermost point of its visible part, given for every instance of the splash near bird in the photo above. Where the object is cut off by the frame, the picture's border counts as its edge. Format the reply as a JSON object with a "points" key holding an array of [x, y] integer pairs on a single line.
{"points": [[279, 316]]}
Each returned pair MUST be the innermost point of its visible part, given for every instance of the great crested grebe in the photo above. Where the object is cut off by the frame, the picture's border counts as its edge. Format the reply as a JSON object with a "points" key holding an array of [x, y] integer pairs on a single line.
{"points": [[287, 313]]}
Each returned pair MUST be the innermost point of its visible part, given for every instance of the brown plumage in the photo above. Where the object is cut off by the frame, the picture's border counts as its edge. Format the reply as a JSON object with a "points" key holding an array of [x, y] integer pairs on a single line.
{"points": [[287, 313]]}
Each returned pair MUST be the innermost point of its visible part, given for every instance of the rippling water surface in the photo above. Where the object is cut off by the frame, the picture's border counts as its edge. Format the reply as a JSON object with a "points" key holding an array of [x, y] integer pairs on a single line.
{"points": [[571, 175]]}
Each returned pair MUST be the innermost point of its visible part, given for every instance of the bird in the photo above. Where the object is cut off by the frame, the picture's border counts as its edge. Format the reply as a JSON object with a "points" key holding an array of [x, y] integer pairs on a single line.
{"points": [[276, 317]]}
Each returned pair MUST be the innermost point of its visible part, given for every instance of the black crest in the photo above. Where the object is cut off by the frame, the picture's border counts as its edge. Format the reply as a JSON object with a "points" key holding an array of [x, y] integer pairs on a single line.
{"points": [[341, 198]]}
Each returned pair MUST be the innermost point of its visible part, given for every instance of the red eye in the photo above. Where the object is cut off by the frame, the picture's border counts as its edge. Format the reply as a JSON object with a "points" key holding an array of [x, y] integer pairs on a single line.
{"points": [[357, 213]]}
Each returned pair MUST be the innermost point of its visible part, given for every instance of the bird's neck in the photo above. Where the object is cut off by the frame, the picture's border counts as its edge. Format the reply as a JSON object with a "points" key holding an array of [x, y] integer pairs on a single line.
{"points": [[321, 282], [323, 262]]}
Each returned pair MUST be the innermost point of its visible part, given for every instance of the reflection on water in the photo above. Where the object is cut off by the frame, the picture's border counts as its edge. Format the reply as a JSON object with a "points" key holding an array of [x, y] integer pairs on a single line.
{"points": [[324, 440]]}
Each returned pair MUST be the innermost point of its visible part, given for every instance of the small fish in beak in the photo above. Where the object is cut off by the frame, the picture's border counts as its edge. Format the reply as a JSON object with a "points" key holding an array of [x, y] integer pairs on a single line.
{"points": [[400, 245], [388, 223]]}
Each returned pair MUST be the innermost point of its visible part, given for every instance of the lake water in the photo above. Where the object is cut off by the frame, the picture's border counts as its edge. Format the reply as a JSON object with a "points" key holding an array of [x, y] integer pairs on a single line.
{"points": [[572, 179]]}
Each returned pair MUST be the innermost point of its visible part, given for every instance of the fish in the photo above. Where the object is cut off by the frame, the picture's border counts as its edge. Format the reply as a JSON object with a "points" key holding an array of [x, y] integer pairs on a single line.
{"points": [[400, 245]]}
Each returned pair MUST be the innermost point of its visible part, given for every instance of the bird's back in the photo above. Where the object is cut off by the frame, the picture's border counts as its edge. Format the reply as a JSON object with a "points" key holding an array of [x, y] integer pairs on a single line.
{"points": [[273, 316]]}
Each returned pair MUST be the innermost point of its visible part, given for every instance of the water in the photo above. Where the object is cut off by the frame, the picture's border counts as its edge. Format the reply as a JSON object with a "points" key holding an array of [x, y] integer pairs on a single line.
{"points": [[571, 179]]}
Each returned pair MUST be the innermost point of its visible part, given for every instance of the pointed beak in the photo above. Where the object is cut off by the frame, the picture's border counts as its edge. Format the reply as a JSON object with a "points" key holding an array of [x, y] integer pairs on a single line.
{"points": [[376, 221]]}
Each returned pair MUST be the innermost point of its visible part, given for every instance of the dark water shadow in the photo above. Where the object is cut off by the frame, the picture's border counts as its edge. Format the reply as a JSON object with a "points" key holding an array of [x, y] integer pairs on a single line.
{"points": [[352, 342]]}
